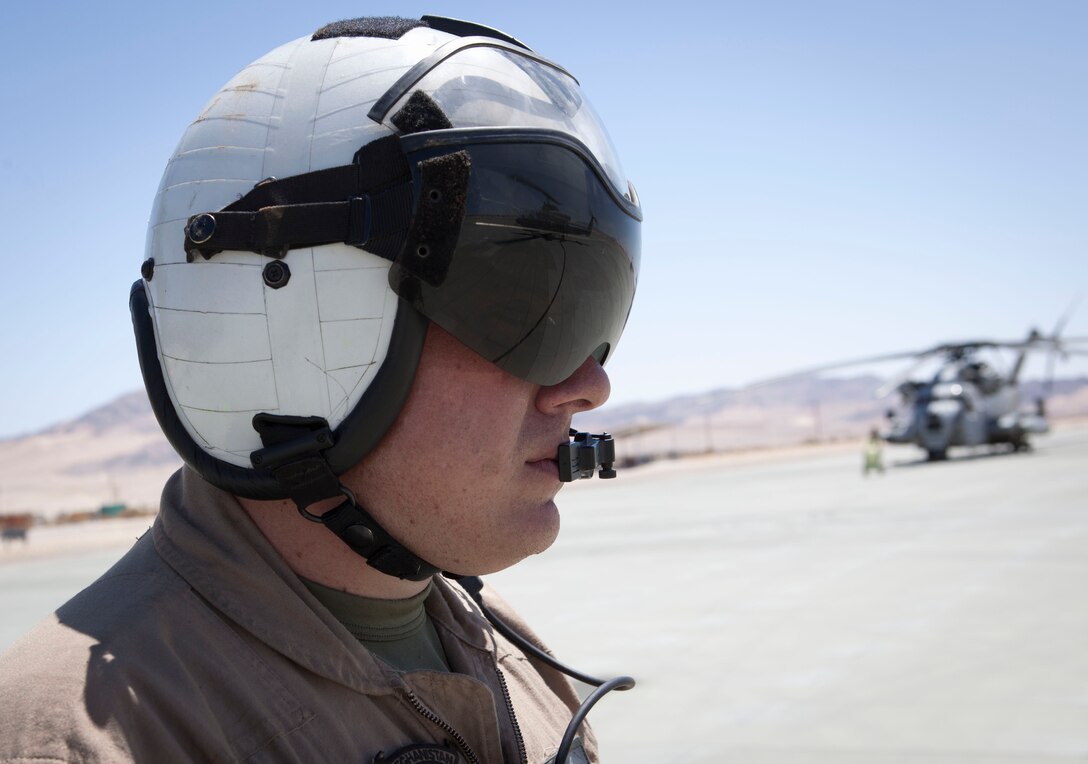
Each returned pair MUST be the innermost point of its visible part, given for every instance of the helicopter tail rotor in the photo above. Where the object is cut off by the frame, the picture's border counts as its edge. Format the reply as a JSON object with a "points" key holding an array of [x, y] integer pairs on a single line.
{"points": [[1056, 348]]}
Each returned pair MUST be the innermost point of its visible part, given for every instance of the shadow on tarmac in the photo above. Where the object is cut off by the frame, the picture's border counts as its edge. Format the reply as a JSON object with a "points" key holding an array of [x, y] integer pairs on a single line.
{"points": [[922, 461]]}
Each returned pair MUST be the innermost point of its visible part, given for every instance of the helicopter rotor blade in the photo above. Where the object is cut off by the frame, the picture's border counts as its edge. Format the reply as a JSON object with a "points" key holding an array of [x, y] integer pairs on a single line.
{"points": [[1064, 319], [899, 378], [1035, 342], [1048, 381], [1052, 355], [813, 370]]}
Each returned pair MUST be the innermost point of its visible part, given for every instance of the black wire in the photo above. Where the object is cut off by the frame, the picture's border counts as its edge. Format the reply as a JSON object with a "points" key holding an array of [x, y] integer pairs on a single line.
{"points": [[603, 687], [618, 683], [536, 652], [473, 585]]}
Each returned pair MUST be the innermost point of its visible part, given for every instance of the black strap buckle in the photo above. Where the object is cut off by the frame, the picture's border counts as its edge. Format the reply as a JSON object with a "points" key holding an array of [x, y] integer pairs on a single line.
{"points": [[292, 456], [360, 215]]}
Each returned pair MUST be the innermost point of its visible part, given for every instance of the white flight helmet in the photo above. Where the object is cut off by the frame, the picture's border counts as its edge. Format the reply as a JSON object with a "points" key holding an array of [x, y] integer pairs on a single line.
{"points": [[338, 194]]}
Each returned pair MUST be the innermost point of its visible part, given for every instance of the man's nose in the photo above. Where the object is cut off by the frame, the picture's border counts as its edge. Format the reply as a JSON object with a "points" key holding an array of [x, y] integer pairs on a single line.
{"points": [[587, 388]]}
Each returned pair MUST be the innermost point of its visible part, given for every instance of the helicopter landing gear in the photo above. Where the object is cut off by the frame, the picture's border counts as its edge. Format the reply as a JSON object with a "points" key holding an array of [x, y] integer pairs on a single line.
{"points": [[936, 454]]}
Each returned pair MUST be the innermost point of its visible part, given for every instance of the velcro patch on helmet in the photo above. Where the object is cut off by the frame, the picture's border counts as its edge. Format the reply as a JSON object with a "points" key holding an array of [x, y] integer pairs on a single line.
{"points": [[420, 114], [439, 213], [389, 27]]}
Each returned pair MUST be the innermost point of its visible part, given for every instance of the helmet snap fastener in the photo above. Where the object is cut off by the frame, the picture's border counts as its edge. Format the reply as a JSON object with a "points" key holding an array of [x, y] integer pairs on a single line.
{"points": [[201, 228], [276, 274], [358, 536]]}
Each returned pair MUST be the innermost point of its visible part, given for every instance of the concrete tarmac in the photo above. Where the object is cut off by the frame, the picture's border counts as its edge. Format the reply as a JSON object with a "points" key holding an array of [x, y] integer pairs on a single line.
{"points": [[786, 609]]}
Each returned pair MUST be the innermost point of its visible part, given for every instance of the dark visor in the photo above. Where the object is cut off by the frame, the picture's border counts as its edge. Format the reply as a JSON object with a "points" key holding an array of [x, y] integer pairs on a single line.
{"points": [[512, 240], [544, 271]]}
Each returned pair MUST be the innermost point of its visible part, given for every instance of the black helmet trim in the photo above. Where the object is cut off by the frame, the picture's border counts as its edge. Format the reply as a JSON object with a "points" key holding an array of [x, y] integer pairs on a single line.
{"points": [[463, 28], [356, 436], [395, 27]]}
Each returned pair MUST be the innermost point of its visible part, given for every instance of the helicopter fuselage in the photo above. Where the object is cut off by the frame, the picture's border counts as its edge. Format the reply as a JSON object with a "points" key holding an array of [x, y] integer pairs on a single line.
{"points": [[964, 405]]}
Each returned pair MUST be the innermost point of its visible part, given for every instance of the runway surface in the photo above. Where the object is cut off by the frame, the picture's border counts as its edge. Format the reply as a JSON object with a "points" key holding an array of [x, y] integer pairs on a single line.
{"points": [[781, 608], [786, 609]]}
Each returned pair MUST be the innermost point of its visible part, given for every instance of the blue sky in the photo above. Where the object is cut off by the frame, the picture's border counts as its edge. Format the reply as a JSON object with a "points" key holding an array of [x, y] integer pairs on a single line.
{"points": [[821, 180]]}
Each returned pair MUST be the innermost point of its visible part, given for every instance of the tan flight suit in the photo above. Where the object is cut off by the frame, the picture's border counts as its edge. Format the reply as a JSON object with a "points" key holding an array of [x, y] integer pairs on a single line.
{"points": [[202, 645]]}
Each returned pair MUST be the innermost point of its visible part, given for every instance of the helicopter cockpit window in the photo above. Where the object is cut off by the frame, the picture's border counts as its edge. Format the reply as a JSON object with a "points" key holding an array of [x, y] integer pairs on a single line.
{"points": [[954, 391]]}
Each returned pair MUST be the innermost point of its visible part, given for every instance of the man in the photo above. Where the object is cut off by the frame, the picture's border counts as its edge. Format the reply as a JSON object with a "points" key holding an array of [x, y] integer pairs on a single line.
{"points": [[384, 268]]}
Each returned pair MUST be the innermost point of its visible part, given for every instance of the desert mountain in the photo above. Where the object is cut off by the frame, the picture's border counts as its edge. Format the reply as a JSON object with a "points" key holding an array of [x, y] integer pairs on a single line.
{"points": [[116, 452]]}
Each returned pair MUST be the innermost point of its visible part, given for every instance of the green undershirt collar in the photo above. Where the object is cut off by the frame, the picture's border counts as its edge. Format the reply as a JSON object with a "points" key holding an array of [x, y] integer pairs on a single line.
{"points": [[397, 631]]}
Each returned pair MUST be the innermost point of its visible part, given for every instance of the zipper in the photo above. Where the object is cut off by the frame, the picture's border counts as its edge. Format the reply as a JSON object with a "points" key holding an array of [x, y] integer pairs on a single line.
{"points": [[433, 718], [513, 717]]}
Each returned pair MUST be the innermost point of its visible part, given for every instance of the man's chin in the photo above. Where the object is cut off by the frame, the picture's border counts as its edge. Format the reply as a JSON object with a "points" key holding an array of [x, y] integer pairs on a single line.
{"points": [[536, 535], [545, 530]]}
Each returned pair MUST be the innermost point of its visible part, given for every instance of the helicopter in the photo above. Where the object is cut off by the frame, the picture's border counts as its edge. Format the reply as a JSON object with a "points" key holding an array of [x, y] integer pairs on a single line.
{"points": [[967, 402]]}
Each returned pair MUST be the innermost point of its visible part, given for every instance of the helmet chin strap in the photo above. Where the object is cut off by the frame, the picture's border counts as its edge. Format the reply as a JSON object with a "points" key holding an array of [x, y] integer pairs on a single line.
{"points": [[355, 526], [367, 538], [293, 457]]}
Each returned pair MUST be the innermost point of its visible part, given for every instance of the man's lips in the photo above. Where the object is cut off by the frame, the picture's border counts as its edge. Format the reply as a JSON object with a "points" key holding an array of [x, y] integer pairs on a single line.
{"points": [[550, 455], [549, 466], [548, 461]]}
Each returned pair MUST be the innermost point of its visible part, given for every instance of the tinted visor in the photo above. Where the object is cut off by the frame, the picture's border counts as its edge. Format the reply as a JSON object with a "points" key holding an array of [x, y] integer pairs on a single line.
{"points": [[543, 274]]}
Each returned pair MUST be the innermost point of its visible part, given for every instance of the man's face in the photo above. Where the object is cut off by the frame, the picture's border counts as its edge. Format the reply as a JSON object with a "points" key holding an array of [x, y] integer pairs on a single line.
{"points": [[467, 475]]}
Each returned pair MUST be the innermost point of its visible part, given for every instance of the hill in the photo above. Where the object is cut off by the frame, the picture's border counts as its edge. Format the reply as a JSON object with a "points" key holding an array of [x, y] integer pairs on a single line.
{"points": [[116, 452]]}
